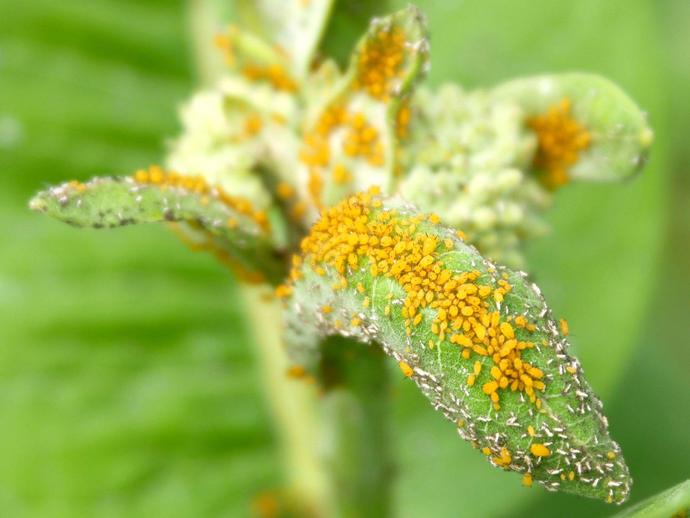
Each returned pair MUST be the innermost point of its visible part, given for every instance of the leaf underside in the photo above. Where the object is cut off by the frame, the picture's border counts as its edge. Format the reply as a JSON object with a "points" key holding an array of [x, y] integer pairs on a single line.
{"points": [[208, 222], [364, 301], [674, 502]]}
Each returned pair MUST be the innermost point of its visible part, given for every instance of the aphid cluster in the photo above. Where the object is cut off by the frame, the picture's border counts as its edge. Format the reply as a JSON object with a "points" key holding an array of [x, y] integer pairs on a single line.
{"points": [[477, 339]]}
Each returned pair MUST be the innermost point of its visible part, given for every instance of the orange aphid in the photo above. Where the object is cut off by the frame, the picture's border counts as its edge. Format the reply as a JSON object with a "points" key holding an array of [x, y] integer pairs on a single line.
{"points": [[560, 139], [357, 234]]}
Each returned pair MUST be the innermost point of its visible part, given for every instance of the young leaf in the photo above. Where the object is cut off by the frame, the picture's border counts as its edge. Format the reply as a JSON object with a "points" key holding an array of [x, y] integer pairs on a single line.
{"points": [[477, 339], [215, 221], [587, 128], [350, 143], [674, 502], [295, 26]]}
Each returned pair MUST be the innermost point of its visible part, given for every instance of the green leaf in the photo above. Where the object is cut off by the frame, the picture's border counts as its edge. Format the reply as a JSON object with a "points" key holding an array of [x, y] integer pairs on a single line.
{"points": [[349, 19], [129, 386], [674, 502], [477, 339], [225, 225], [592, 237], [616, 135], [351, 138], [296, 26]]}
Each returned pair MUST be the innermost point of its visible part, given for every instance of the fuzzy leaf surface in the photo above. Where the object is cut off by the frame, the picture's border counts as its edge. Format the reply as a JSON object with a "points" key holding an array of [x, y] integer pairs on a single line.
{"points": [[457, 324], [620, 136], [210, 221]]}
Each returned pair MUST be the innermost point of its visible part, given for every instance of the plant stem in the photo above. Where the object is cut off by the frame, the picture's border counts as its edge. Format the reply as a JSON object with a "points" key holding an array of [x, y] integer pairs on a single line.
{"points": [[356, 435], [292, 404], [205, 20], [334, 447]]}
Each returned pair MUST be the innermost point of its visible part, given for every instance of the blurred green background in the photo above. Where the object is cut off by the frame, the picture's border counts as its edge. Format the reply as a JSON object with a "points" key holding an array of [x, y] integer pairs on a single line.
{"points": [[127, 386]]}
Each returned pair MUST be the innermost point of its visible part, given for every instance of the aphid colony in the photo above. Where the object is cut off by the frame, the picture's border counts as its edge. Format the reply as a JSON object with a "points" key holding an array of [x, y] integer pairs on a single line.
{"points": [[357, 232], [343, 132], [431, 307], [155, 175], [561, 138]]}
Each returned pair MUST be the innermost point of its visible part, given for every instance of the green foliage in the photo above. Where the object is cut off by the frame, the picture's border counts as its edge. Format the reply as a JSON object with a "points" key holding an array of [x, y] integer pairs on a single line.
{"points": [[674, 502], [211, 220], [618, 131], [109, 72], [127, 385], [378, 111], [561, 442], [296, 27]]}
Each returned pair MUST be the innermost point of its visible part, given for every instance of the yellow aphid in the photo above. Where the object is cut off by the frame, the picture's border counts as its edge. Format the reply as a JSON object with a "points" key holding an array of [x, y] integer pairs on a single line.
{"points": [[530, 431], [405, 369], [527, 480], [252, 125], [296, 372], [539, 450], [357, 235], [507, 330], [504, 458], [611, 455], [326, 309], [285, 191], [283, 291], [560, 140], [429, 245], [157, 176], [489, 388], [565, 330]]}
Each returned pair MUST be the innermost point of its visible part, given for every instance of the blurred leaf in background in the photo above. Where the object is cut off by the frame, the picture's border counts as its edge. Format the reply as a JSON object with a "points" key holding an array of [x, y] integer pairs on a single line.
{"points": [[126, 383], [127, 388]]}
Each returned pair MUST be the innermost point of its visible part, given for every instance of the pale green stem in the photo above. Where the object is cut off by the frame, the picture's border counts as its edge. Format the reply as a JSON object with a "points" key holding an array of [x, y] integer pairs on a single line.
{"points": [[205, 21], [333, 446], [356, 435], [292, 403]]}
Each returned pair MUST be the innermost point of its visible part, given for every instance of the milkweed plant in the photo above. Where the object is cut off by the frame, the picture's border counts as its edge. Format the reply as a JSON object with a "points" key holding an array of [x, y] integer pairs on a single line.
{"points": [[387, 220]]}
